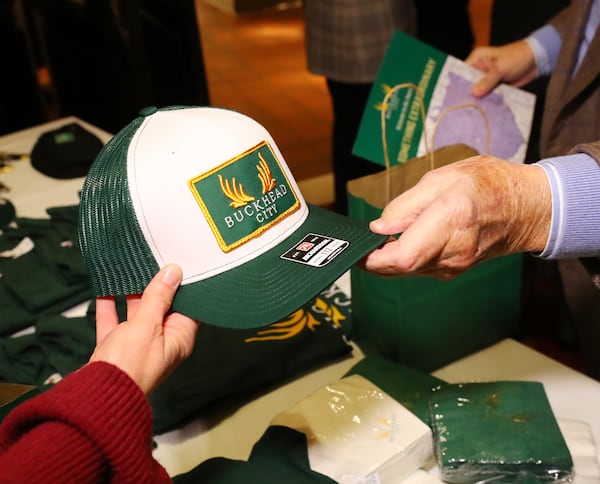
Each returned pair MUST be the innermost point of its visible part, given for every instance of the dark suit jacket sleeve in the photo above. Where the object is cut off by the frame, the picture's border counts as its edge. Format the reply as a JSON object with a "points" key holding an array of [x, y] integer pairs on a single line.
{"points": [[592, 149]]}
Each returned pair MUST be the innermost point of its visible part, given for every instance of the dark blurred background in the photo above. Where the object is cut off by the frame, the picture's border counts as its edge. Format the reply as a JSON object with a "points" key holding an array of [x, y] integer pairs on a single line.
{"points": [[106, 59]]}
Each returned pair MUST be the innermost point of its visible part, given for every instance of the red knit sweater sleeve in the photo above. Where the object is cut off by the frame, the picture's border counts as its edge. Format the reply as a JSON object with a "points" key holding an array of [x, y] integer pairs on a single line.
{"points": [[95, 425]]}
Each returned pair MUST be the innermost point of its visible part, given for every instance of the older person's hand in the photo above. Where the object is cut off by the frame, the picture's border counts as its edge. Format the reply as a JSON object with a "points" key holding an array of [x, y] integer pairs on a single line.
{"points": [[152, 342], [512, 64], [463, 213]]}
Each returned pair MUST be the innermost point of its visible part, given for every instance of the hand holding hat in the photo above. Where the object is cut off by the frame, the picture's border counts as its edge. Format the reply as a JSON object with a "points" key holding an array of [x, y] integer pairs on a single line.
{"points": [[152, 342]]}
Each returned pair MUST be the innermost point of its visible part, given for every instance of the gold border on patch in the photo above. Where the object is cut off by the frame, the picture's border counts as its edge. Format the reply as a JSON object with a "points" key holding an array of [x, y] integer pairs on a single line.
{"points": [[263, 228]]}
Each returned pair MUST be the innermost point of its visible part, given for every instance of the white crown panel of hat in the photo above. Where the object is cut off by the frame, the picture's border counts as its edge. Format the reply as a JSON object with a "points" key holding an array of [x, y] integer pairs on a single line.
{"points": [[173, 147]]}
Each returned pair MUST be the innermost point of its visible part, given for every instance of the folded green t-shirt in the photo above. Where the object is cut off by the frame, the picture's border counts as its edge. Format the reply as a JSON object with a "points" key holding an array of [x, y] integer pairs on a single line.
{"points": [[280, 456]]}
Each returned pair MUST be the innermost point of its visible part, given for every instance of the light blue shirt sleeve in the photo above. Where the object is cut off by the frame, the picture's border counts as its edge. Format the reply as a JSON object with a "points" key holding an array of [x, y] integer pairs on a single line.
{"points": [[545, 43], [575, 186], [574, 179]]}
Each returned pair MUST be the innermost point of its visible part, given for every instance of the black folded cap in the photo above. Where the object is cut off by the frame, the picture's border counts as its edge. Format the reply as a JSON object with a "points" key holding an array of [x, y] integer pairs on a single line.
{"points": [[66, 152]]}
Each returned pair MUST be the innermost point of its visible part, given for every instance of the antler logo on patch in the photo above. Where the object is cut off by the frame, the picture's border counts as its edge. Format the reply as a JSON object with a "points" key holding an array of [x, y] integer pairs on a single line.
{"points": [[245, 196], [236, 192], [264, 174]]}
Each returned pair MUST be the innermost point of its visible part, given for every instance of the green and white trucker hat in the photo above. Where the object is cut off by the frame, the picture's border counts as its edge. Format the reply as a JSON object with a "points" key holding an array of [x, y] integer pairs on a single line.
{"points": [[208, 189]]}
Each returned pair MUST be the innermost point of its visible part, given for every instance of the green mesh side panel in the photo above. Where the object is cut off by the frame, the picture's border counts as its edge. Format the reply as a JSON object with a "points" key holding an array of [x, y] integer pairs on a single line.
{"points": [[118, 259]]}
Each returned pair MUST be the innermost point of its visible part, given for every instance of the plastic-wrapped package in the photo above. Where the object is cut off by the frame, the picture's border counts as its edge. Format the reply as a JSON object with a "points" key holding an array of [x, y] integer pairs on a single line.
{"points": [[580, 440], [408, 386], [355, 430], [498, 432]]}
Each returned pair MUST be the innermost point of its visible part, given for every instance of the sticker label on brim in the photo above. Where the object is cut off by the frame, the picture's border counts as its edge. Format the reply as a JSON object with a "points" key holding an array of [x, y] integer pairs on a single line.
{"points": [[316, 250]]}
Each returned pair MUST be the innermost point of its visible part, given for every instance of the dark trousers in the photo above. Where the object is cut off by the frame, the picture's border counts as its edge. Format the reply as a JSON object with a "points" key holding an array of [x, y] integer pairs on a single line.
{"points": [[582, 298], [349, 101]]}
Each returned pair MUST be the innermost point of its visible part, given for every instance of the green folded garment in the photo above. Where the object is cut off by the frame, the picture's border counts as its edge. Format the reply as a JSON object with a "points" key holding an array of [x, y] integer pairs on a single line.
{"points": [[279, 456], [501, 431]]}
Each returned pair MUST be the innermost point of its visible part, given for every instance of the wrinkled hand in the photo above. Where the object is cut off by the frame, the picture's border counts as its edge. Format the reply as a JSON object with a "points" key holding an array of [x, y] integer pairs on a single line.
{"points": [[152, 342], [512, 64], [463, 213]]}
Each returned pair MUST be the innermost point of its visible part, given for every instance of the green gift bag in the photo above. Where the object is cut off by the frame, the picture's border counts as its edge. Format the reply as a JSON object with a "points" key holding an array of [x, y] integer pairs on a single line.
{"points": [[420, 321]]}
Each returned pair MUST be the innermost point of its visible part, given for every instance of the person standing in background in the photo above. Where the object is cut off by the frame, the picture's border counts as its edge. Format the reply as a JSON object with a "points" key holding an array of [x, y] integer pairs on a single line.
{"points": [[563, 199], [446, 26], [539, 276], [346, 41], [565, 50]]}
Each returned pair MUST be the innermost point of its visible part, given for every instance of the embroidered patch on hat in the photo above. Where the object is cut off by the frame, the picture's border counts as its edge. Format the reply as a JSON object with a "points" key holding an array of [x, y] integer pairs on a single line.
{"points": [[245, 196]]}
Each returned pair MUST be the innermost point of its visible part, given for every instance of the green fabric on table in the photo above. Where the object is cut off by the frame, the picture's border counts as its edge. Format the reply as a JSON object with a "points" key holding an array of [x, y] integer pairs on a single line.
{"points": [[42, 274], [38, 288], [502, 431], [57, 241], [59, 345], [46, 280], [7, 212], [280, 456], [230, 366], [22, 360], [66, 343], [14, 317], [410, 387]]}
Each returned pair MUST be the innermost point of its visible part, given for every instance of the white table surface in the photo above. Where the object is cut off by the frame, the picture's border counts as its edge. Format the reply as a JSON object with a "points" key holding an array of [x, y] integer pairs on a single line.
{"points": [[572, 395]]}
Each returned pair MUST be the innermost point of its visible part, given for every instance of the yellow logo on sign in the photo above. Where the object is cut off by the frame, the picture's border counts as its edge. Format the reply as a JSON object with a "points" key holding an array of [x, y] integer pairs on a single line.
{"points": [[298, 321]]}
